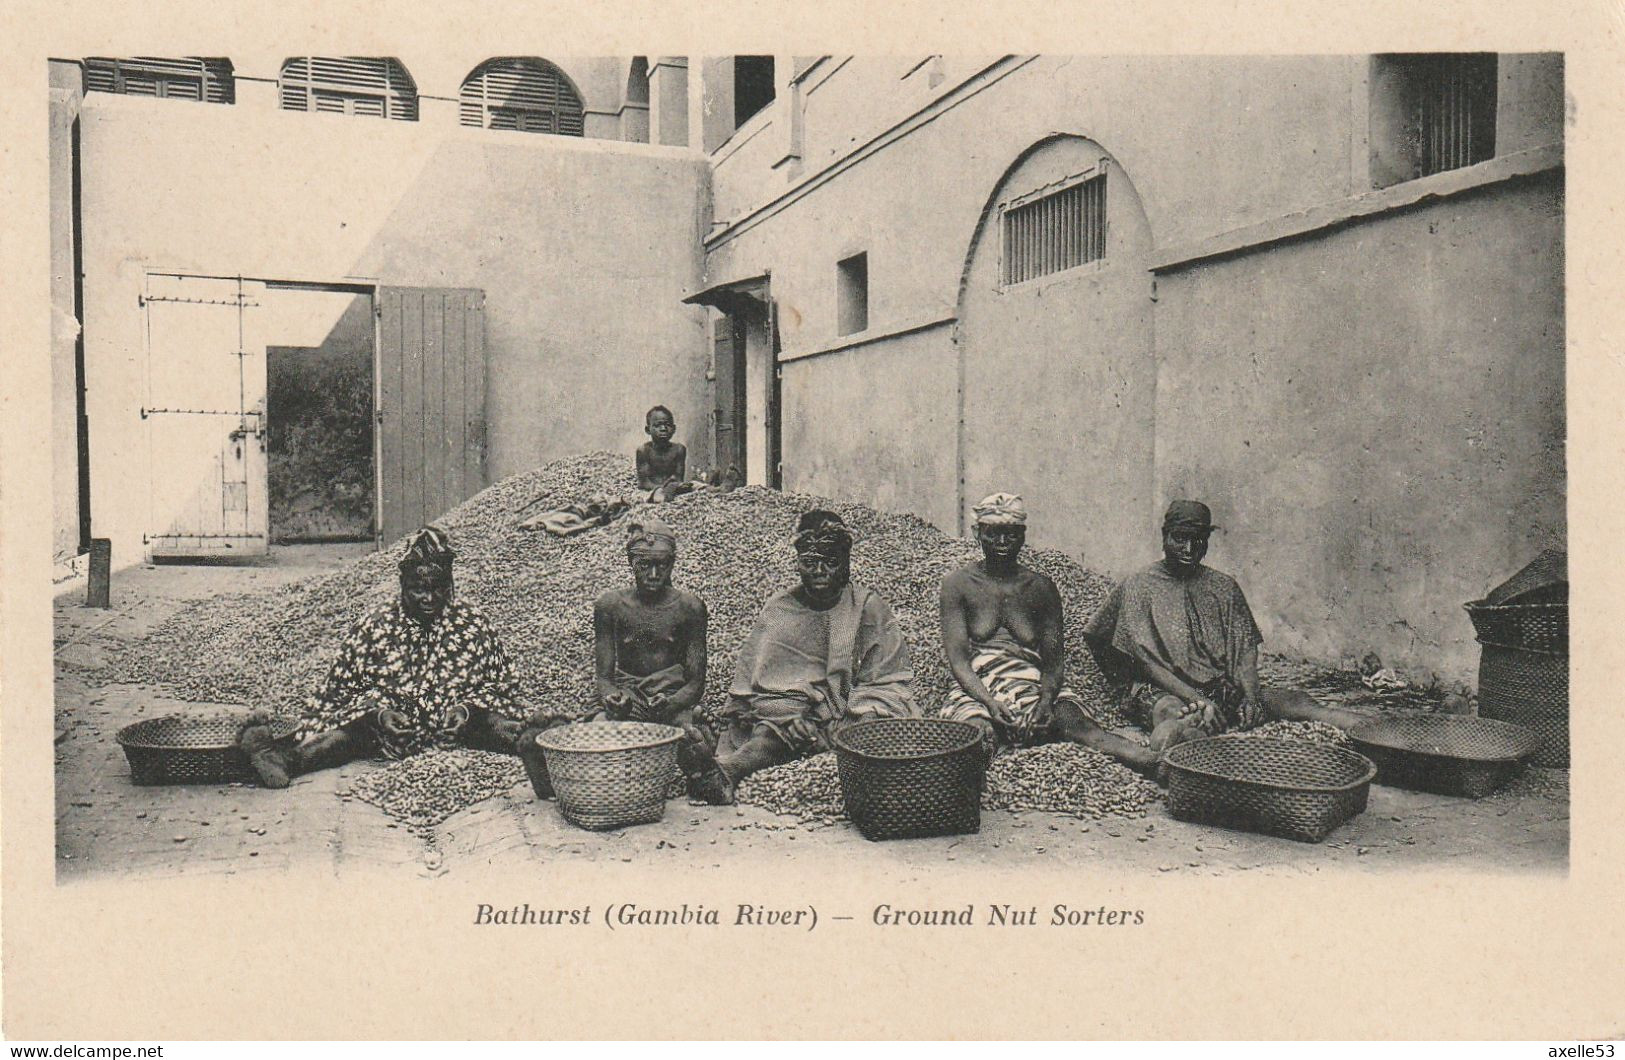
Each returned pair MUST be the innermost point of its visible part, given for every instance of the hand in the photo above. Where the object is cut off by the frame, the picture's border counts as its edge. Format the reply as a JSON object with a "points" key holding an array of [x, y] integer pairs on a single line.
{"points": [[1038, 719], [1253, 713], [654, 710], [1001, 713], [393, 724], [617, 704], [453, 720], [1205, 712]]}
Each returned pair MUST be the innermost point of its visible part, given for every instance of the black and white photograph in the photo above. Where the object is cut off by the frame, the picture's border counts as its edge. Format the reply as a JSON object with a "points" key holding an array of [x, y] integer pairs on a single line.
{"points": [[765, 457], [1061, 495]]}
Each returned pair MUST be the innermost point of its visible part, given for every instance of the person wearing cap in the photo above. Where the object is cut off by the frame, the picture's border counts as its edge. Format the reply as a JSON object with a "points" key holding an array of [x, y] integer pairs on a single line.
{"points": [[1003, 633], [424, 670], [649, 640], [822, 655], [1184, 636]]}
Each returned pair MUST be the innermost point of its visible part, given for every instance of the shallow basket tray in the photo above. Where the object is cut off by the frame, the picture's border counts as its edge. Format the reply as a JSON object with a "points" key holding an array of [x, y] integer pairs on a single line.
{"points": [[1285, 788], [611, 774], [192, 748], [910, 778], [1445, 754]]}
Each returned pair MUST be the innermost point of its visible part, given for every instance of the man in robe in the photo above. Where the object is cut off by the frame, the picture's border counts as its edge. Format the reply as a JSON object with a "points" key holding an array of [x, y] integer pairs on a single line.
{"points": [[1184, 636], [1003, 633], [423, 671], [649, 640], [822, 655]]}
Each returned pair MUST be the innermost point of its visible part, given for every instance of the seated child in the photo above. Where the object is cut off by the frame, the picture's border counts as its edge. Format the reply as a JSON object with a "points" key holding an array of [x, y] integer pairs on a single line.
{"points": [[662, 463]]}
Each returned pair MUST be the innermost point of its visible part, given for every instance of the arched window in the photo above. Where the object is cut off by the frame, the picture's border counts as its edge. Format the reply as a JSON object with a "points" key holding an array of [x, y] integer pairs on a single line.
{"points": [[194, 78], [522, 93], [366, 87]]}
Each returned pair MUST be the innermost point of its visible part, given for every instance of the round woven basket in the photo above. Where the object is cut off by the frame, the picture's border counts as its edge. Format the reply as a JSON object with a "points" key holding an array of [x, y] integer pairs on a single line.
{"points": [[192, 748], [1445, 754], [1528, 688], [611, 774], [1285, 788], [909, 778]]}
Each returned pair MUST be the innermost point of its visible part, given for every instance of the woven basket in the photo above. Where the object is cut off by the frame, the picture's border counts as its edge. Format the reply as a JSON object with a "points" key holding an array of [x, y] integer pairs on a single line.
{"points": [[909, 778], [1529, 627], [1445, 754], [1284, 788], [1531, 689], [192, 749], [610, 774]]}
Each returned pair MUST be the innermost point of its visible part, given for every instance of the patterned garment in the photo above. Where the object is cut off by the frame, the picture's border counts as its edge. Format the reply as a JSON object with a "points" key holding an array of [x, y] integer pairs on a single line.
{"points": [[389, 659], [1012, 675]]}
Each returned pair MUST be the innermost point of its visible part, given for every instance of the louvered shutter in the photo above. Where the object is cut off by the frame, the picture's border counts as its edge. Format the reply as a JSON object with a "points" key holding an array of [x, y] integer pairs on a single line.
{"points": [[194, 78], [521, 94], [368, 87]]}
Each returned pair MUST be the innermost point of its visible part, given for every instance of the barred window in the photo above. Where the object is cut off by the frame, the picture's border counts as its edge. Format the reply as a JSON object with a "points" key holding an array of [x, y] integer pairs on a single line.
{"points": [[1455, 117], [1058, 231], [1430, 113], [192, 78], [364, 87], [524, 94]]}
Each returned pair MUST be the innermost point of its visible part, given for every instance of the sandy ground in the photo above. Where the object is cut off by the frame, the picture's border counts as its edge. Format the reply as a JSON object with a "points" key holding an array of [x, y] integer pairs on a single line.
{"points": [[106, 825]]}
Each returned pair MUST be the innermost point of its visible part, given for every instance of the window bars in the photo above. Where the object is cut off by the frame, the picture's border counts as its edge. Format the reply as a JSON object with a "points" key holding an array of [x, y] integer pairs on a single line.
{"points": [[1455, 119], [1059, 231]]}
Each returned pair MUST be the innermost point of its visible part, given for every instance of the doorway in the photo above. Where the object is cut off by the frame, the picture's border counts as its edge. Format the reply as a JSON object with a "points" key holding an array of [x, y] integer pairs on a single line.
{"points": [[319, 360]]}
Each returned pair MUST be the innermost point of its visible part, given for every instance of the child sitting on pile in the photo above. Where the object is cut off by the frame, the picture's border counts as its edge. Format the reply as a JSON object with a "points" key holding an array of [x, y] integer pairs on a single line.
{"points": [[662, 463]]}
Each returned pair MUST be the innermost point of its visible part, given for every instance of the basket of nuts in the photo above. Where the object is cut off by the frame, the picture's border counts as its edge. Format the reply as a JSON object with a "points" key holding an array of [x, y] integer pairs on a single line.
{"points": [[192, 748], [909, 778], [1287, 788], [610, 774]]}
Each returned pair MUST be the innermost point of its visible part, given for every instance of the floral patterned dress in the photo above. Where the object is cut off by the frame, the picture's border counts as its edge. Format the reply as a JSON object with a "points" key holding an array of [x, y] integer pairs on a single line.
{"points": [[391, 660]]}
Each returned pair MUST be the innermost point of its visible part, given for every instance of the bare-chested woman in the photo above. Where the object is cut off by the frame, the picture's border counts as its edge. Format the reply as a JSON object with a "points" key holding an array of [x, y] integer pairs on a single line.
{"points": [[649, 640], [1003, 634]]}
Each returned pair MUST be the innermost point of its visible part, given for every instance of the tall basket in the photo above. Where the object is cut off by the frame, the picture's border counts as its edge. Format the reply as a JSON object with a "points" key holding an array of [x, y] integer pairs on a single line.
{"points": [[1523, 672]]}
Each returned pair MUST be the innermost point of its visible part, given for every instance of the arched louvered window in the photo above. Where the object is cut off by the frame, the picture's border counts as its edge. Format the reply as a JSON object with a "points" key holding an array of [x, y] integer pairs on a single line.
{"points": [[366, 87], [194, 78], [522, 93]]}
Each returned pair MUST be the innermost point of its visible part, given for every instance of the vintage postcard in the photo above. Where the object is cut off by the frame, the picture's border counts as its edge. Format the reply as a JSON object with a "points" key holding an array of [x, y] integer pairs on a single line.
{"points": [[1070, 535]]}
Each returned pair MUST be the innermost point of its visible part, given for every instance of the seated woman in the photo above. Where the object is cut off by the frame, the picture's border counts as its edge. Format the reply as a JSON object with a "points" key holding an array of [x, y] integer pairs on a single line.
{"points": [[1185, 637], [822, 655], [422, 671]]}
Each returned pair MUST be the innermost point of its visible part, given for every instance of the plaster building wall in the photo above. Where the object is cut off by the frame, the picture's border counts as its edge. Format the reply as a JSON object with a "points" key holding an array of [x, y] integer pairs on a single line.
{"points": [[1222, 154], [583, 248], [64, 111], [1380, 427]]}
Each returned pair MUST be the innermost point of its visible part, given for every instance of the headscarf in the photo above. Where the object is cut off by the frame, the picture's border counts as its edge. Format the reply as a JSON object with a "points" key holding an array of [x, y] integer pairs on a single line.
{"points": [[822, 533], [429, 545], [647, 532], [1190, 516], [1001, 509]]}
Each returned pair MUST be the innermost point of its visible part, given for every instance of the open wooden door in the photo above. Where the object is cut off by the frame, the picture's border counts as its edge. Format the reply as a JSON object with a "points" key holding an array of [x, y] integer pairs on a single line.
{"points": [[728, 417], [431, 404], [204, 409]]}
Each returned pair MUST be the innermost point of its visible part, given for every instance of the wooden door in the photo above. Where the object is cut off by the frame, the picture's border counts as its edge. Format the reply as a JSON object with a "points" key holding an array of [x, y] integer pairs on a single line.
{"points": [[204, 409], [728, 416], [431, 404]]}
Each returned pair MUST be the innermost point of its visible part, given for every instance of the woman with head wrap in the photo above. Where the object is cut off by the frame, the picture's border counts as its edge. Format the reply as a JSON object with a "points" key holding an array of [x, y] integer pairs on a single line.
{"points": [[649, 639], [822, 655], [1003, 633], [423, 671], [1184, 636]]}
